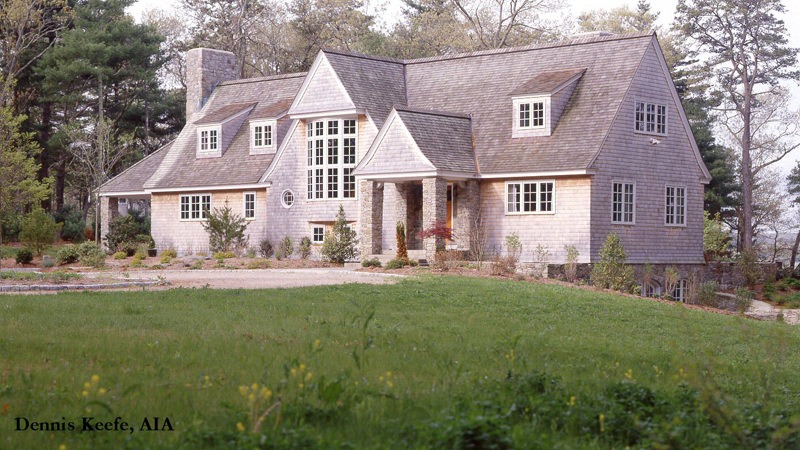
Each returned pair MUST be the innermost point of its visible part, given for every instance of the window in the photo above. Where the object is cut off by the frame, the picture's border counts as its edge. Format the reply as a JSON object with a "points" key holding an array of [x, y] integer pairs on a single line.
{"points": [[287, 198], [680, 291], [651, 118], [531, 114], [675, 206], [209, 140], [318, 234], [249, 205], [623, 199], [195, 206], [331, 158], [262, 136], [529, 197]]}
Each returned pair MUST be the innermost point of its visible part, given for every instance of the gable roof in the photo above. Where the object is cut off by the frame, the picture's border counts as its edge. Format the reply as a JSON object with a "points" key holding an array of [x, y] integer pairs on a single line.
{"points": [[133, 178]]}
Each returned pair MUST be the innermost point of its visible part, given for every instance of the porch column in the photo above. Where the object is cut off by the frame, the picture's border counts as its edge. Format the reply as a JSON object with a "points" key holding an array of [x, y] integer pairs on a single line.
{"points": [[467, 222], [109, 210], [434, 209], [371, 222]]}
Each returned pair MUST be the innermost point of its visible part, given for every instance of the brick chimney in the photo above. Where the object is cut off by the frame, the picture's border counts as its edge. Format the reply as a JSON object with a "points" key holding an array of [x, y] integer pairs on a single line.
{"points": [[205, 68]]}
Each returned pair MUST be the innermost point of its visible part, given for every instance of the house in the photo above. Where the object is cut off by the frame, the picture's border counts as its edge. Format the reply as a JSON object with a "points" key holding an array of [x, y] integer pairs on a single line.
{"points": [[559, 143]]}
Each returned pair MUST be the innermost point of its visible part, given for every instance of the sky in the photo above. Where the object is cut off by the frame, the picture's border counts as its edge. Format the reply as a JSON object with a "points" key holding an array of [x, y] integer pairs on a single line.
{"points": [[666, 8]]}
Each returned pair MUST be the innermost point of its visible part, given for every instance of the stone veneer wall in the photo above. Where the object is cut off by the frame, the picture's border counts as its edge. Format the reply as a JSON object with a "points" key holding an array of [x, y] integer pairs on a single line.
{"points": [[370, 223], [109, 210], [205, 68], [434, 209]]}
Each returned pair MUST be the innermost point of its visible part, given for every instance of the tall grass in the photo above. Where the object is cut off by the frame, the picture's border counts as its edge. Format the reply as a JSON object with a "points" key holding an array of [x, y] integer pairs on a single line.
{"points": [[428, 362]]}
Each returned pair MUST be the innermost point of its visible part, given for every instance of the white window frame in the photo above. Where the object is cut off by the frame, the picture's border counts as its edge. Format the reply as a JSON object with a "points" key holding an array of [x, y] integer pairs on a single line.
{"points": [[538, 202], [284, 203], [190, 203], [624, 183], [320, 169], [671, 219], [314, 236], [641, 122], [244, 205], [206, 134], [519, 130], [268, 134], [681, 289]]}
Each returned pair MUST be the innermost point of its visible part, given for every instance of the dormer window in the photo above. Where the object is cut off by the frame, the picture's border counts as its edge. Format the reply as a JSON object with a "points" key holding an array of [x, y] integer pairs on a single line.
{"points": [[650, 118], [208, 141], [262, 137], [532, 116]]}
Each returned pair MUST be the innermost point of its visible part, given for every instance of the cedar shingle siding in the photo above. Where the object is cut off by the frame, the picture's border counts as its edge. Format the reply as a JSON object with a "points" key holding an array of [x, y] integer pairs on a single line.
{"points": [[447, 120]]}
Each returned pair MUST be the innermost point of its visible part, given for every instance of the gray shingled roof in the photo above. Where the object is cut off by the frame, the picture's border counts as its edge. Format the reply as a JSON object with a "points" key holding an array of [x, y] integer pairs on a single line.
{"points": [[375, 84], [480, 84], [546, 82], [444, 138], [220, 114], [133, 178], [181, 168]]}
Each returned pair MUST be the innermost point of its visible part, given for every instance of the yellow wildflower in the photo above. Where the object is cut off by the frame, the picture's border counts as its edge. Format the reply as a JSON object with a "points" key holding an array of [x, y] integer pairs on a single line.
{"points": [[629, 374], [85, 393], [243, 391], [87, 385], [101, 391], [62, 447], [95, 379], [308, 376], [240, 427], [254, 387], [571, 400]]}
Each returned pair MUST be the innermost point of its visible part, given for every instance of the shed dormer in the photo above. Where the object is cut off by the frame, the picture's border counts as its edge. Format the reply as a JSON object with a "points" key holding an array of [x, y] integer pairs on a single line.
{"points": [[539, 102], [264, 122], [216, 130]]}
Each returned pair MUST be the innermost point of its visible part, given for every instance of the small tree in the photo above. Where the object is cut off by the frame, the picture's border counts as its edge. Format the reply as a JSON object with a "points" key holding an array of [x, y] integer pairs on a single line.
{"points": [[340, 243], [612, 272], [715, 237], [226, 230], [571, 264], [402, 249], [305, 247], [38, 231]]}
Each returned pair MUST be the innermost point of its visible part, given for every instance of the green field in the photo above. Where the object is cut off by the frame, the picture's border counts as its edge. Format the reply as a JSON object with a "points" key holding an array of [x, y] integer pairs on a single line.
{"points": [[432, 362]]}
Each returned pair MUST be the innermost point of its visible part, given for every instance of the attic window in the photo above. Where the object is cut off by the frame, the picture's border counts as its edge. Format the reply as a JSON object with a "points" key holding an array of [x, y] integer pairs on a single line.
{"points": [[650, 118], [208, 139], [262, 136], [531, 116]]}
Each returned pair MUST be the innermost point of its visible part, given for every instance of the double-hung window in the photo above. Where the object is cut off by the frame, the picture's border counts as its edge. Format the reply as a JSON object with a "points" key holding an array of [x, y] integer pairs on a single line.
{"points": [[250, 205], [318, 234], [530, 197], [209, 140], [675, 205], [195, 206], [331, 158], [651, 118], [623, 202]]}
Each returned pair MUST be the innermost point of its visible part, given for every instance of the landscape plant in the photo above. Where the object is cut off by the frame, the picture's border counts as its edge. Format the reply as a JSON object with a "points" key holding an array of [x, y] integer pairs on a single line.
{"points": [[265, 249], [305, 247], [670, 281], [611, 272], [127, 232], [38, 231], [715, 237], [226, 230], [285, 248], [400, 235], [74, 228], [24, 256], [340, 243], [571, 263]]}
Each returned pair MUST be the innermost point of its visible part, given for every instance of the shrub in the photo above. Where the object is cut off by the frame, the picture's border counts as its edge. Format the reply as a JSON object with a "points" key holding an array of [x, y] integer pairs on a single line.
{"points": [[340, 244], [258, 264], [48, 262], [670, 281], [395, 264], [251, 252], [744, 298], [747, 267], [374, 262], [265, 249], [223, 255], [542, 260], [715, 237], [440, 231], [68, 254], [447, 260], [170, 252], [707, 294], [120, 255], [571, 263], [285, 248], [74, 228], [10, 223], [122, 234], [402, 249], [91, 255], [165, 259], [24, 256], [38, 231], [305, 247], [611, 272], [503, 265], [136, 262], [226, 230]]}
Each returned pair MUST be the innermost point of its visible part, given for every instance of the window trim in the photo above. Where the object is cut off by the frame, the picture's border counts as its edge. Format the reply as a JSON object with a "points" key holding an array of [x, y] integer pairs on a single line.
{"points": [[682, 287], [190, 218], [538, 211], [209, 129], [263, 148], [244, 204], [633, 209], [283, 200], [318, 174], [532, 130], [636, 102], [314, 228], [675, 225]]}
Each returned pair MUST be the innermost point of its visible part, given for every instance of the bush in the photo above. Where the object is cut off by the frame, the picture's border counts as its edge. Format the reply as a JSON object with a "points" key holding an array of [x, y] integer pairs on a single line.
{"points": [[74, 228], [503, 265], [258, 264], [38, 231], [91, 255], [340, 244], [285, 248], [265, 249], [707, 295], [611, 272], [123, 234], [747, 267], [715, 237], [24, 256], [305, 247], [223, 255], [48, 262], [226, 230], [165, 259], [744, 298], [571, 263], [402, 249], [374, 262], [10, 223], [170, 252], [68, 254], [396, 264], [120, 255]]}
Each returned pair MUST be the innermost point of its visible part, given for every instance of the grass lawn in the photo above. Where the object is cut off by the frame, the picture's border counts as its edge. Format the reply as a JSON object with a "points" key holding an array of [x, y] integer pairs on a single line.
{"points": [[432, 362]]}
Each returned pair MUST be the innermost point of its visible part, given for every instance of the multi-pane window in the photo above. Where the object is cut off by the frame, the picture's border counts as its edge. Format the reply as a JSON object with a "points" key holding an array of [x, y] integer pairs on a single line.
{"points": [[331, 158], [262, 135], [287, 198], [318, 235], [622, 210], [680, 291], [530, 197], [675, 205], [531, 114], [651, 118], [195, 207], [249, 205], [209, 140]]}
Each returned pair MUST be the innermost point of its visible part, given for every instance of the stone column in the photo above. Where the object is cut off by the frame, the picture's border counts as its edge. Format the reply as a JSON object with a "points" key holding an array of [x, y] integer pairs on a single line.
{"points": [[434, 210], [371, 221], [468, 206], [109, 210]]}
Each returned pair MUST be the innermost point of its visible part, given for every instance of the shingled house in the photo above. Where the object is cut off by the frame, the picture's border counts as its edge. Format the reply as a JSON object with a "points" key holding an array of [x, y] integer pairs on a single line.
{"points": [[560, 143]]}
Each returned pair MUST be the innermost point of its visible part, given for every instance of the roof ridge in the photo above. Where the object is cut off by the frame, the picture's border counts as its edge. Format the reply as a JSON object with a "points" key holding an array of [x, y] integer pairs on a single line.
{"points": [[364, 56], [562, 43], [432, 112], [261, 79]]}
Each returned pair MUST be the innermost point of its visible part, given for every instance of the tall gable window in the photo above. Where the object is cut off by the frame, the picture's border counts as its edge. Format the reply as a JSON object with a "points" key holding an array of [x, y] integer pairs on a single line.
{"points": [[530, 197], [623, 202], [331, 158], [262, 137], [651, 118], [675, 206], [195, 206]]}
